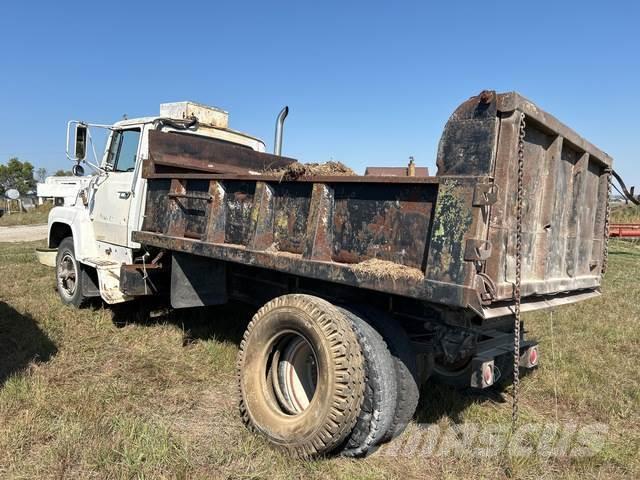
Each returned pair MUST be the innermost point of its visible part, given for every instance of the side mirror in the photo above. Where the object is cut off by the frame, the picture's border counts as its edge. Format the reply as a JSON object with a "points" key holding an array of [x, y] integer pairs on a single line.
{"points": [[81, 142], [77, 170]]}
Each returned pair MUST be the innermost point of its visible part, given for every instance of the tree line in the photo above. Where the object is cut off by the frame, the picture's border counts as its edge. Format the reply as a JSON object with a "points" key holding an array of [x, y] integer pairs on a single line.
{"points": [[21, 176]]}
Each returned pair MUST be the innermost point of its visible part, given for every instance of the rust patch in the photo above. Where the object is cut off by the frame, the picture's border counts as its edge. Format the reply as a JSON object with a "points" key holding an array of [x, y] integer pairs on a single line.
{"points": [[452, 221]]}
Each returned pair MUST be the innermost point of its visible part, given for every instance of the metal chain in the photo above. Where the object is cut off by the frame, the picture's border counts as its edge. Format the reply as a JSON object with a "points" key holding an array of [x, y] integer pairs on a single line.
{"points": [[518, 283], [605, 254]]}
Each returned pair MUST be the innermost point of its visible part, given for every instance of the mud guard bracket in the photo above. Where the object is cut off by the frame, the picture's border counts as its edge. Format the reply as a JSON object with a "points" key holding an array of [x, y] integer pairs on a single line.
{"points": [[485, 194], [477, 250]]}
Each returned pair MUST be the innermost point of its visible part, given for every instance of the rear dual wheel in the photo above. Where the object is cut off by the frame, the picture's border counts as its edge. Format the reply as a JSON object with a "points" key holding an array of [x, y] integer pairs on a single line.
{"points": [[315, 378], [405, 368], [456, 373], [301, 375], [381, 391]]}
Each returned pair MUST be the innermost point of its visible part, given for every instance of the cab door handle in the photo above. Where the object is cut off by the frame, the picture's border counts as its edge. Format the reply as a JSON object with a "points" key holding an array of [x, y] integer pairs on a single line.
{"points": [[124, 195]]}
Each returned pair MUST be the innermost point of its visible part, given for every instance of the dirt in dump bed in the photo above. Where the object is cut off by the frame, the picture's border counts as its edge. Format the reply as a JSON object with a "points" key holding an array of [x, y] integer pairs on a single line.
{"points": [[387, 269], [297, 170]]}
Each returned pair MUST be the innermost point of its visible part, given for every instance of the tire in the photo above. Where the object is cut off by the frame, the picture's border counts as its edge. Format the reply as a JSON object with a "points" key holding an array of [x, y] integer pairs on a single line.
{"points": [[380, 394], [406, 369], [69, 275], [315, 411], [454, 375]]}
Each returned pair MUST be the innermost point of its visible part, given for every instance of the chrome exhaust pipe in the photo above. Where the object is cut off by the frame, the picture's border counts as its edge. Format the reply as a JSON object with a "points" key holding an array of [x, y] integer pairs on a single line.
{"points": [[277, 142]]}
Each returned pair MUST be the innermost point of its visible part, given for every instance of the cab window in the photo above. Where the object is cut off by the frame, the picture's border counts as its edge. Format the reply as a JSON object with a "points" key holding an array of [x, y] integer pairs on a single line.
{"points": [[123, 150]]}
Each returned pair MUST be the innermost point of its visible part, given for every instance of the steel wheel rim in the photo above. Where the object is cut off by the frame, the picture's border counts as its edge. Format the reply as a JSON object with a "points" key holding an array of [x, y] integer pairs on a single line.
{"points": [[67, 275], [296, 379]]}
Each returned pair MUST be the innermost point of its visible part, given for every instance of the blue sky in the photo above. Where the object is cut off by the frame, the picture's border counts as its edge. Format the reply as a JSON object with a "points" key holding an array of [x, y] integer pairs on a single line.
{"points": [[368, 83]]}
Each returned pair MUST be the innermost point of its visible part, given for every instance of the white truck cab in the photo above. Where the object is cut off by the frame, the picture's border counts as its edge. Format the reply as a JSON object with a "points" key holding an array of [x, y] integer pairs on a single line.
{"points": [[90, 237]]}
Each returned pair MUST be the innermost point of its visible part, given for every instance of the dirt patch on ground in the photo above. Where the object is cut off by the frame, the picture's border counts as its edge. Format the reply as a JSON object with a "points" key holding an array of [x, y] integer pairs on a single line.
{"points": [[387, 269], [297, 170], [23, 233]]}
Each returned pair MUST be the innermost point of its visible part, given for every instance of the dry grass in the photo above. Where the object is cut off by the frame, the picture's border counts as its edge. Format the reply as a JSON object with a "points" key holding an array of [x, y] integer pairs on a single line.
{"points": [[297, 170], [36, 216], [82, 397], [386, 269], [625, 214]]}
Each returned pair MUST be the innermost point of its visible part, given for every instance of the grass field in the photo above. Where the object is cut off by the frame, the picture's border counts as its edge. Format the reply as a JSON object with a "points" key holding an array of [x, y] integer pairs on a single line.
{"points": [[625, 214], [38, 215], [82, 396]]}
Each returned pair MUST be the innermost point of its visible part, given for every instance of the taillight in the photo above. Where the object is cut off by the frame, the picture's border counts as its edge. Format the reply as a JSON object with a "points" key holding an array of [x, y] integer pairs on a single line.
{"points": [[533, 356], [529, 357], [487, 374], [483, 374]]}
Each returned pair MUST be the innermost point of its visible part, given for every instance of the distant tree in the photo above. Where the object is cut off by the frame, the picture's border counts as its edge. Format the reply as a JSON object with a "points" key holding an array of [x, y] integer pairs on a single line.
{"points": [[41, 174], [63, 173], [18, 175]]}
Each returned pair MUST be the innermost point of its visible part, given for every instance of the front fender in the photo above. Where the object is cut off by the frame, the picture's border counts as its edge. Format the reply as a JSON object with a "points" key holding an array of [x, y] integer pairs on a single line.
{"points": [[78, 221]]}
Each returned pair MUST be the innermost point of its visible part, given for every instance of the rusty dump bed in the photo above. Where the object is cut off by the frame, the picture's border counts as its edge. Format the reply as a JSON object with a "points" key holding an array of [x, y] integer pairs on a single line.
{"points": [[448, 239]]}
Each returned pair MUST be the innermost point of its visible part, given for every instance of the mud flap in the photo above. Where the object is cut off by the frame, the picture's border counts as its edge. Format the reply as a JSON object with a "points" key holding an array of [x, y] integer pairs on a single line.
{"points": [[90, 282], [197, 281]]}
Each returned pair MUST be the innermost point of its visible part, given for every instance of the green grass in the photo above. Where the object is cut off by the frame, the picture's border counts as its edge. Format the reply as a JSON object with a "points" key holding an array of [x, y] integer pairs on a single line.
{"points": [[37, 215], [81, 397]]}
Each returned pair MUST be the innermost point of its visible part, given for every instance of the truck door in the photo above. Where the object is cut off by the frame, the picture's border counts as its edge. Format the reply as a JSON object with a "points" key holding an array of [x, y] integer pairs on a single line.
{"points": [[113, 195]]}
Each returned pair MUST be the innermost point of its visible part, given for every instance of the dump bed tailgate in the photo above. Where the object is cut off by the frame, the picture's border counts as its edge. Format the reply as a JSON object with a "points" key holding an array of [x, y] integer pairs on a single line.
{"points": [[564, 202]]}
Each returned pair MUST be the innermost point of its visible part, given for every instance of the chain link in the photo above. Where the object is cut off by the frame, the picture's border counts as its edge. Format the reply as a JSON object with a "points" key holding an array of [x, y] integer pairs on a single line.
{"points": [[605, 253], [518, 282]]}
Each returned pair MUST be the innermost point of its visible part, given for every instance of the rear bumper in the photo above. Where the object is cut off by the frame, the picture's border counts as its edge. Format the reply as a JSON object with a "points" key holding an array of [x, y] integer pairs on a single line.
{"points": [[538, 303]]}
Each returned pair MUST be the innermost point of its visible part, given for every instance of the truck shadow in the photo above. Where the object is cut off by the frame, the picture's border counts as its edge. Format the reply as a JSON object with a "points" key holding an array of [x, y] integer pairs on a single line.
{"points": [[439, 401], [227, 323], [21, 342]]}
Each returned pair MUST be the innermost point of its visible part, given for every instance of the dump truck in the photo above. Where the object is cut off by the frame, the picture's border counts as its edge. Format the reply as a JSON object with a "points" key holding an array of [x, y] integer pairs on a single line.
{"points": [[365, 286]]}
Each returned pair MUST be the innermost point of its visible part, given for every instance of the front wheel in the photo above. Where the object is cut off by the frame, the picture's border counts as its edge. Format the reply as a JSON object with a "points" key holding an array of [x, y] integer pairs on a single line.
{"points": [[68, 275]]}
